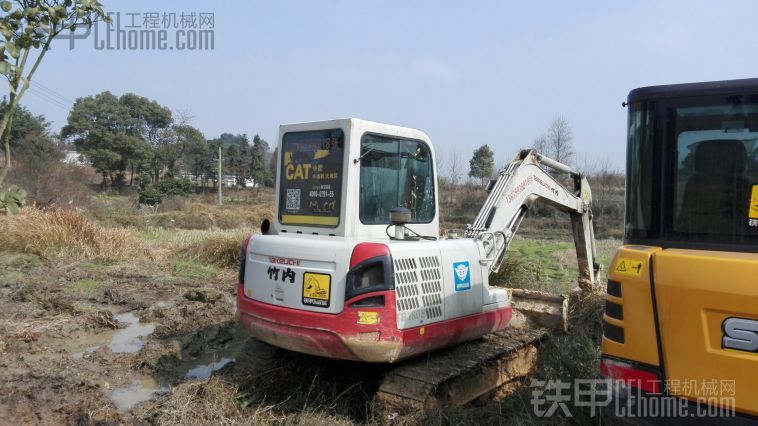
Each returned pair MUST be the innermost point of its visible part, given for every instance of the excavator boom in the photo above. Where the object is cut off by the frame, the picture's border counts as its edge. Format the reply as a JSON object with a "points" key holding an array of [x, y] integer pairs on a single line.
{"points": [[530, 177]]}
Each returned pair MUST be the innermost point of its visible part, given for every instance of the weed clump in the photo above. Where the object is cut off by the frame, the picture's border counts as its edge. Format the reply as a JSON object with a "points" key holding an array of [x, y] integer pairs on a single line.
{"points": [[196, 403], [56, 232], [564, 358], [222, 250]]}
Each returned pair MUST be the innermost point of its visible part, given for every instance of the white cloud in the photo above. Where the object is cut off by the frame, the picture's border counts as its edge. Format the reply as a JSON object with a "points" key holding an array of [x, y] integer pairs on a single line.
{"points": [[433, 69]]}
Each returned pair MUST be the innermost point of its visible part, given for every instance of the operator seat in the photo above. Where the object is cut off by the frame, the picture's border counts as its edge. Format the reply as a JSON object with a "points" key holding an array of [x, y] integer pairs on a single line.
{"points": [[717, 195]]}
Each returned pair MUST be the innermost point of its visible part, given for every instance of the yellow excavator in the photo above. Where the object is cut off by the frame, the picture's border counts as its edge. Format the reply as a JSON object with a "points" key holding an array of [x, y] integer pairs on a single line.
{"points": [[681, 320]]}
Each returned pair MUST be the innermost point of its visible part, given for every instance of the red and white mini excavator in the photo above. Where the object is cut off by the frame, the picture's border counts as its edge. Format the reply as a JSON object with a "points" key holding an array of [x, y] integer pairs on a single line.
{"points": [[352, 266]]}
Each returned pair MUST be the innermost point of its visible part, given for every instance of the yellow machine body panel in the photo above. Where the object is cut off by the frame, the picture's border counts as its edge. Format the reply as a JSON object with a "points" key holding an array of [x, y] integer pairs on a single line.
{"points": [[631, 290], [697, 291]]}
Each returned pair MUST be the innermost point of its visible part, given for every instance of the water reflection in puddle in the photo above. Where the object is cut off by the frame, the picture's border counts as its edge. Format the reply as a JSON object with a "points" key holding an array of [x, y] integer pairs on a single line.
{"points": [[204, 371], [125, 340], [131, 339], [143, 389], [140, 390]]}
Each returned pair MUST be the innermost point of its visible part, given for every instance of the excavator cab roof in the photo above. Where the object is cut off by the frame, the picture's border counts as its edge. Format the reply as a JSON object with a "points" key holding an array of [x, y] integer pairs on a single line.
{"points": [[685, 90], [692, 166], [342, 177]]}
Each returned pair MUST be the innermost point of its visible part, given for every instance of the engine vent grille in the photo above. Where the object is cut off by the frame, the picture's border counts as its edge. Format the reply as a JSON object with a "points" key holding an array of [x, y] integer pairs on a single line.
{"points": [[418, 286]]}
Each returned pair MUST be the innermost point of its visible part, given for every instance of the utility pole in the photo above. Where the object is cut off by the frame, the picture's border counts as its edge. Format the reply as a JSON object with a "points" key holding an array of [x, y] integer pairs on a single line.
{"points": [[220, 177]]}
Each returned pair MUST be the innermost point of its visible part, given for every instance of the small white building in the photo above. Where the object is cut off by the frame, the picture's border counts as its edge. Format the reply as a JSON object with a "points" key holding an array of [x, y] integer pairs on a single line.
{"points": [[73, 157], [231, 181]]}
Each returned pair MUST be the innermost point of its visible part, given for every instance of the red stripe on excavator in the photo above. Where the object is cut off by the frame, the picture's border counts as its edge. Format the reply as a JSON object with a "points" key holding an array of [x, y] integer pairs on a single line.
{"points": [[341, 336], [365, 251]]}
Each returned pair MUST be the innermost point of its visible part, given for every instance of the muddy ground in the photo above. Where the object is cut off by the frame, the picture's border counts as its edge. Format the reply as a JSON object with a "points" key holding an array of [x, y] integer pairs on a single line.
{"points": [[143, 342], [154, 341]]}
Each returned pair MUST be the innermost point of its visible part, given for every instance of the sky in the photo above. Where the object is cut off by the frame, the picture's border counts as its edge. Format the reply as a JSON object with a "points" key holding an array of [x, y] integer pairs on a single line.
{"points": [[465, 73]]}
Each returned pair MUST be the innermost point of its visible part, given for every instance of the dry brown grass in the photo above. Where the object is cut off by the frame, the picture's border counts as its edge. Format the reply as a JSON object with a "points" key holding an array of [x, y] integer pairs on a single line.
{"points": [[178, 213], [221, 250], [21, 327], [56, 233], [216, 401], [28, 330], [196, 215], [200, 403]]}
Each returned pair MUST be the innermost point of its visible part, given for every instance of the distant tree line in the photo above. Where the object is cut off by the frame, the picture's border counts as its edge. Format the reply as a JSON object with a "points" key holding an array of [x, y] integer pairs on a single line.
{"points": [[461, 199], [240, 158], [129, 136]]}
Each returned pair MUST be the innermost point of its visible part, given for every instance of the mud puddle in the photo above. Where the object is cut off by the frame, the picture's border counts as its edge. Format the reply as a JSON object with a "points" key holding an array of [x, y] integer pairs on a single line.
{"points": [[200, 357], [144, 388], [204, 371], [140, 390], [124, 340]]}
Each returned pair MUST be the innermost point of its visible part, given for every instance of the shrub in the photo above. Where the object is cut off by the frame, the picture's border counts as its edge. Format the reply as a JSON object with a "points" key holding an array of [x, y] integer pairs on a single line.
{"points": [[12, 199], [60, 232], [54, 183], [148, 195], [171, 185]]}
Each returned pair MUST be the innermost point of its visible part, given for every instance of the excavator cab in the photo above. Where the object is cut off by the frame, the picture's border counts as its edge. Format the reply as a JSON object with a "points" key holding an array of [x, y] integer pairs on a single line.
{"points": [[681, 320]]}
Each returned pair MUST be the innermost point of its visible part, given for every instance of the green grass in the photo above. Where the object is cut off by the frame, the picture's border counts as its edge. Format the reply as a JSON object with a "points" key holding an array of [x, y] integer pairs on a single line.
{"points": [[193, 270], [549, 257], [86, 286], [547, 265]]}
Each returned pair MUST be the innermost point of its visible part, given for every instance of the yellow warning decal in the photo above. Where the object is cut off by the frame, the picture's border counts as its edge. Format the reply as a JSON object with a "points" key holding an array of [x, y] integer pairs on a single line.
{"points": [[368, 318], [316, 289], [753, 210], [629, 267]]}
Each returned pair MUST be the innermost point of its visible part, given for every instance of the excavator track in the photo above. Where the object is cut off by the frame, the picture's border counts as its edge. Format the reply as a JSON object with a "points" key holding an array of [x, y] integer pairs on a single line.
{"points": [[455, 376]]}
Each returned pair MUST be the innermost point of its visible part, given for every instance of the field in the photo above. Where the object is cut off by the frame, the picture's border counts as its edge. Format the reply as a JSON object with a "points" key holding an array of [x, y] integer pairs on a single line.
{"points": [[119, 315]]}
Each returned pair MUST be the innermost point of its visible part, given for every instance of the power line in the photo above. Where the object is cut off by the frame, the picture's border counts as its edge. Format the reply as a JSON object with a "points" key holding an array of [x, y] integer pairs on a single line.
{"points": [[49, 99], [42, 95], [53, 93]]}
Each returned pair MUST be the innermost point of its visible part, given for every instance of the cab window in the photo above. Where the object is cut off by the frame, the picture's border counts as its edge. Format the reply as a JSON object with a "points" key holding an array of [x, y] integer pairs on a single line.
{"points": [[716, 155], [395, 172], [692, 173]]}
